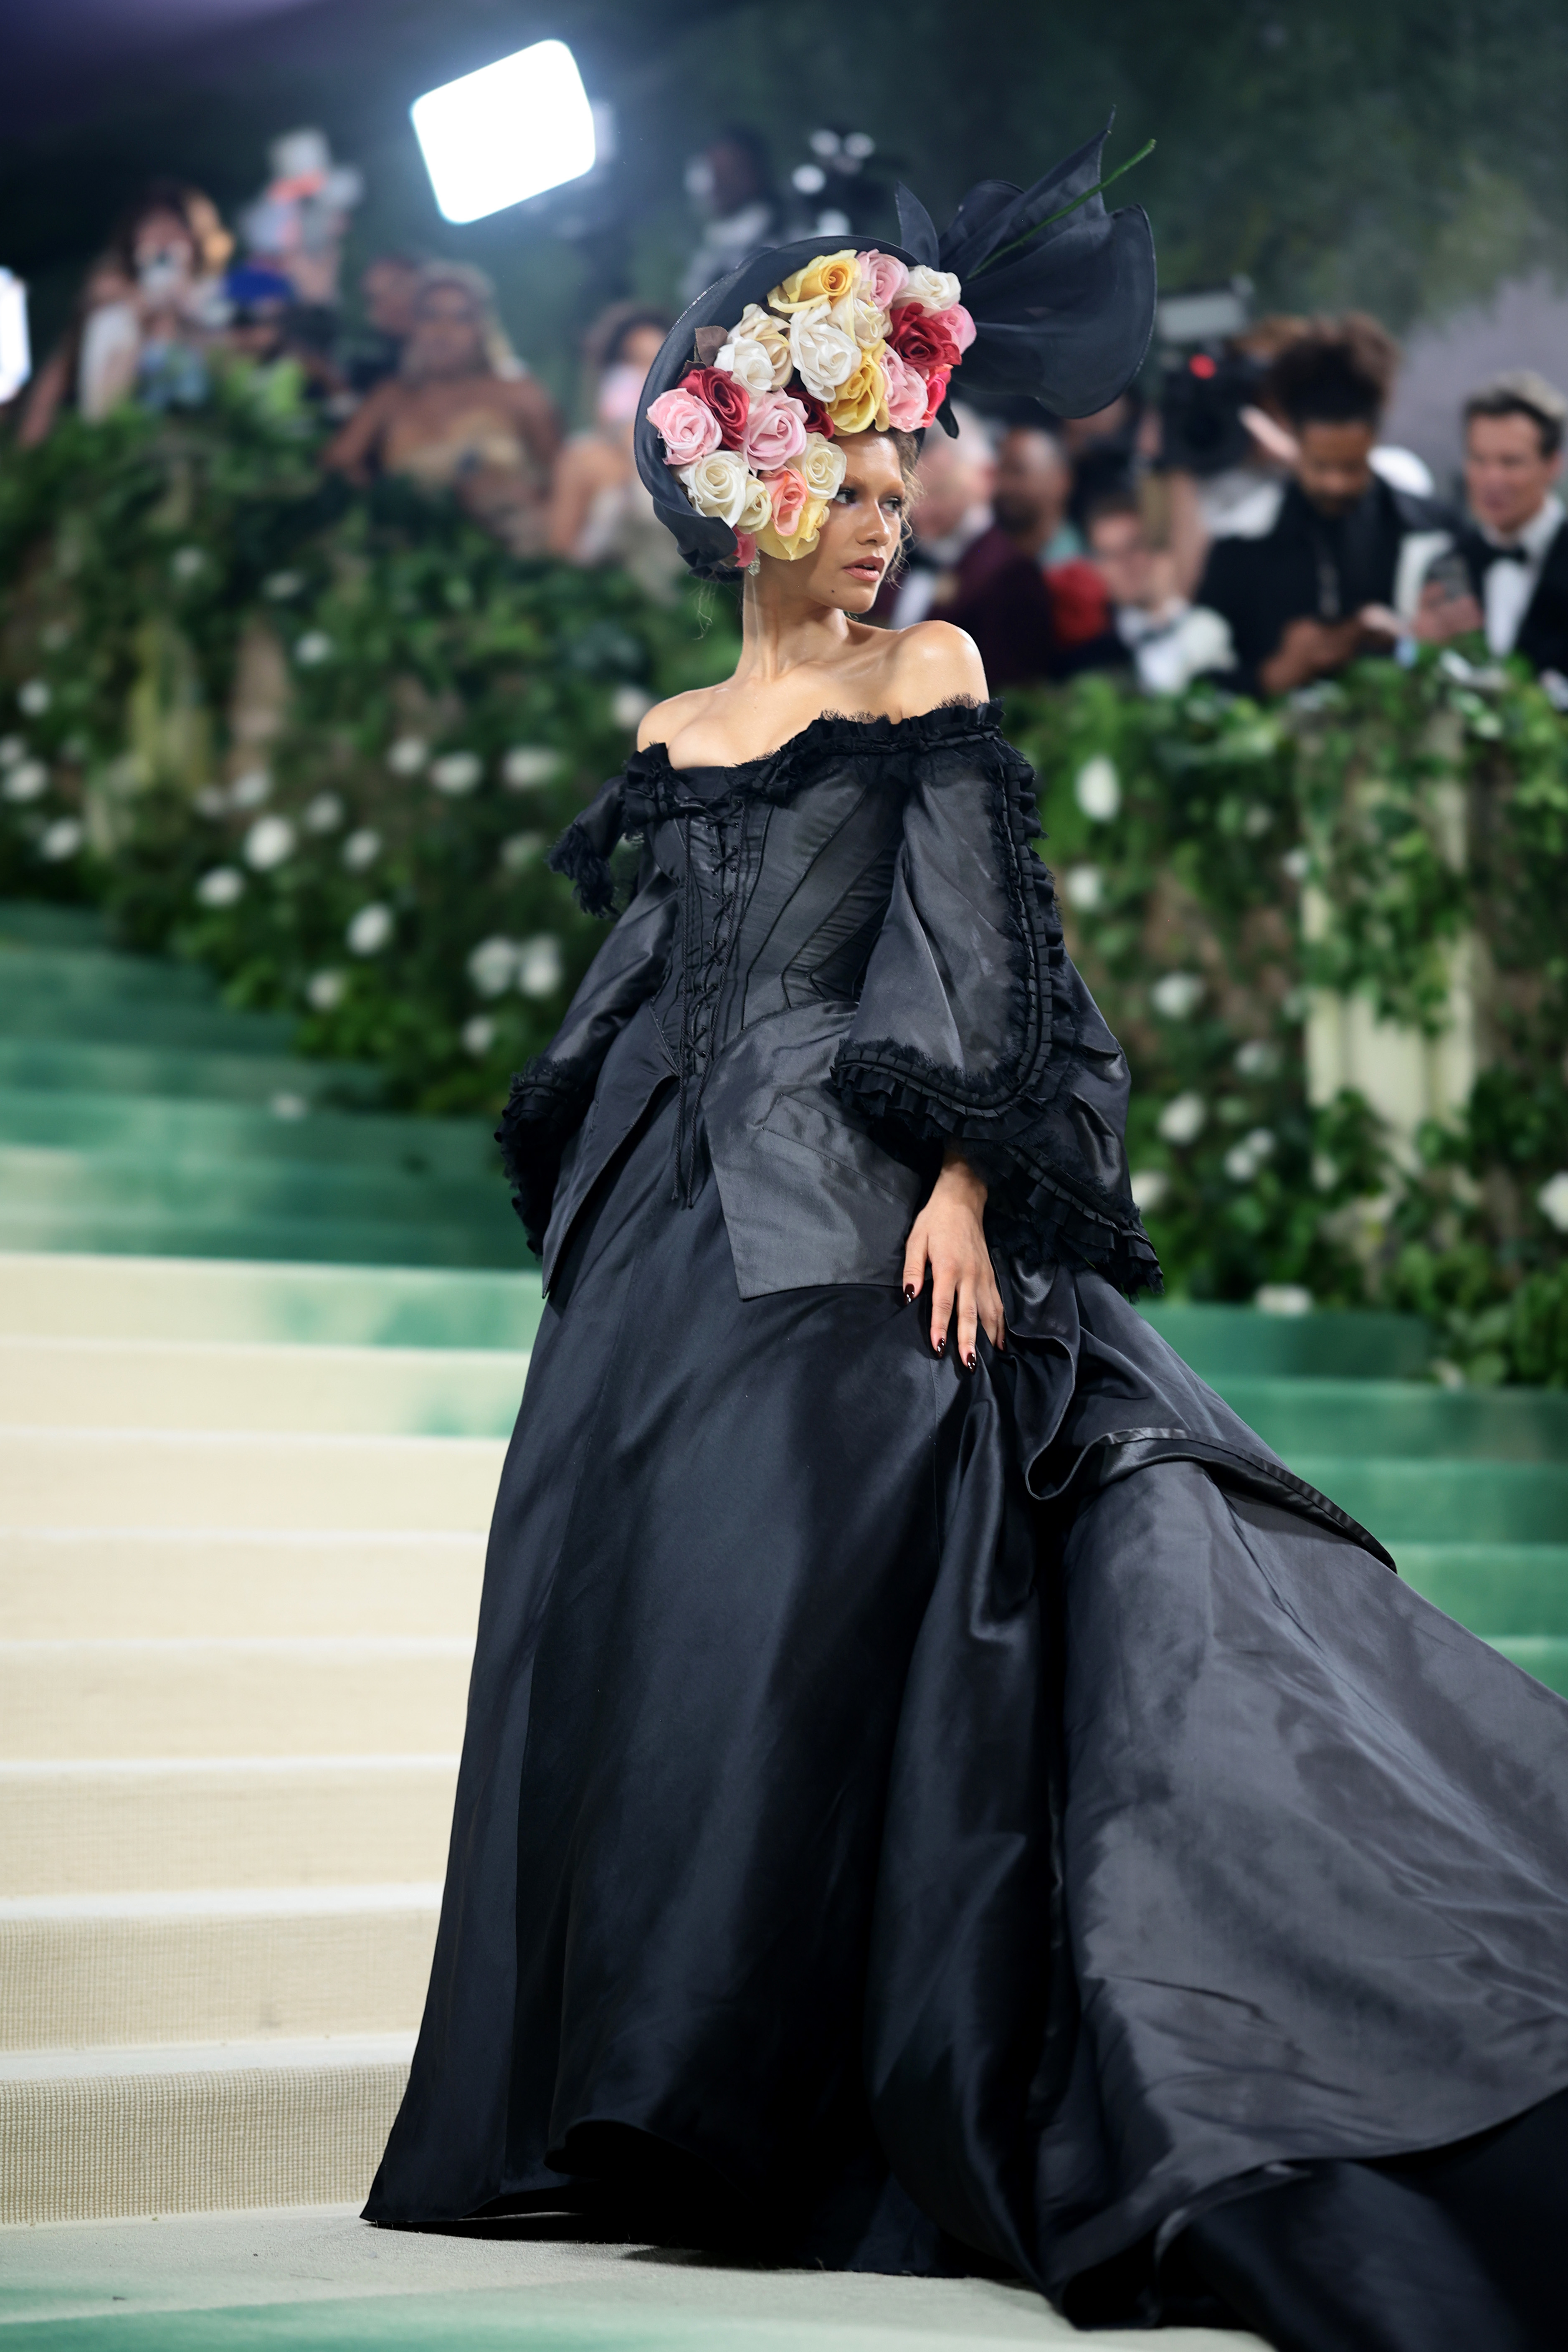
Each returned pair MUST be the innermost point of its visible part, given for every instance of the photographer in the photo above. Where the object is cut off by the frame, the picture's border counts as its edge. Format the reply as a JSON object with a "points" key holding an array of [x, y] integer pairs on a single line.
{"points": [[1339, 570]]}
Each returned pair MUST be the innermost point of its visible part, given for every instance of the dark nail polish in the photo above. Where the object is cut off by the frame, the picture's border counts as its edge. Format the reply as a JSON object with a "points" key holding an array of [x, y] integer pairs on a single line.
{"points": [[938, 1345], [970, 1360], [909, 1293]]}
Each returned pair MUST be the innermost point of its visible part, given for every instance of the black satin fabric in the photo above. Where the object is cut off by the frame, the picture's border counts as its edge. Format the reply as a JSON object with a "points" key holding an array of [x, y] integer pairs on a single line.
{"points": [[918, 1821]]}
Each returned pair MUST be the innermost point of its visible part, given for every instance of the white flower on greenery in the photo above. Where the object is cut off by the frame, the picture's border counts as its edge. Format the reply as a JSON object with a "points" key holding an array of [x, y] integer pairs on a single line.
{"points": [[324, 813], [370, 930], [324, 990], [630, 705], [278, 586], [933, 289], [1244, 1159], [1177, 995], [1298, 864], [285, 1105], [1084, 887], [824, 356], [1096, 788], [270, 840], [1258, 1058], [1150, 1186], [362, 848], [60, 840], [186, 562], [821, 466], [250, 790], [717, 485], [1283, 1298], [33, 697], [1256, 821], [492, 966], [211, 801], [527, 764], [455, 772], [313, 648], [222, 886], [519, 850], [1325, 1171], [1454, 665], [407, 755], [1552, 1200], [1183, 1118], [12, 749], [479, 1034], [539, 966], [28, 781]]}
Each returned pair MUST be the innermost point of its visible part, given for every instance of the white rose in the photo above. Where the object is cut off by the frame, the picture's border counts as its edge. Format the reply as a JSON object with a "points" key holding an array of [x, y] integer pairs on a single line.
{"points": [[1258, 1058], [1084, 887], [756, 325], [1176, 994], [749, 361], [362, 849], [478, 1036], [758, 509], [324, 813], [1149, 1187], [34, 696], [493, 966], [313, 648], [824, 356], [456, 772], [27, 780], [221, 887], [539, 966], [821, 464], [527, 764], [717, 485], [1283, 1298], [324, 990], [1183, 1118], [12, 749], [61, 839], [630, 705], [857, 315], [933, 289], [250, 790], [407, 755], [370, 930], [520, 850], [1098, 789], [270, 840], [1552, 1200]]}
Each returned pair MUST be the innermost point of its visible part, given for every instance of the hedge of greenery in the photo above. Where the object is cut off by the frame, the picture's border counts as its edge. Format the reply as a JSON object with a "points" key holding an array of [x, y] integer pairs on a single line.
{"points": [[319, 739]]}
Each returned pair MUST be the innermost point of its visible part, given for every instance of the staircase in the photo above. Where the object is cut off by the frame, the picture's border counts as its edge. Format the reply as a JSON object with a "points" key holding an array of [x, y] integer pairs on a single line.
{"points": [[242, 1508]]}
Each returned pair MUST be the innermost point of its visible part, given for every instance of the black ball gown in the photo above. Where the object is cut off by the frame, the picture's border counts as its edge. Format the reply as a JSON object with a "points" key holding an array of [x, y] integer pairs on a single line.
{"points": [[914, 1819]]}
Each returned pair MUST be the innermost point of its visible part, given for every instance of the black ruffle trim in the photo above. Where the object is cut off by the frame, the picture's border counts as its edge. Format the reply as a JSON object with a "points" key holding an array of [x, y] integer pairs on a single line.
{"points": [[1008, 1117], [654, 791], [547, 1104], [593, 883]]}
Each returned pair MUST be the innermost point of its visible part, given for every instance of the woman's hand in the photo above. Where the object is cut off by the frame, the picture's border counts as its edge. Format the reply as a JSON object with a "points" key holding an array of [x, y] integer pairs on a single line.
{"points": [[949, 1235]]}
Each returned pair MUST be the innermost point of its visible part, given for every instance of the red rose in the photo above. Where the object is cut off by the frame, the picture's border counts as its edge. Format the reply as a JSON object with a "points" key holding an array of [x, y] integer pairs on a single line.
{"points": [[729, 402], [920, 340], [817, 420], [936, 393]]}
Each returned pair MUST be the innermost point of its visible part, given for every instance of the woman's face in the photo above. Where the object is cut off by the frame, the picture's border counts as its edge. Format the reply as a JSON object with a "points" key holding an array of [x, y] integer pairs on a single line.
{"points": [[448, 334], [860, 530]]}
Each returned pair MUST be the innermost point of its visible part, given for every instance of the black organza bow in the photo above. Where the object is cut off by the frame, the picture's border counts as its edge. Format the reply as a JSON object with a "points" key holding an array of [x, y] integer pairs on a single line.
{"points": [[1061, 293]]}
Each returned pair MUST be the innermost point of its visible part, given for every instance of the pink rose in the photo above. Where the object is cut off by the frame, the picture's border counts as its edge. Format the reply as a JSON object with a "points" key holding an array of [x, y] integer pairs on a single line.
{"points": [[745, 550], [906, 393], [936, 393], [788, 491], [882, 277], [690, 431], [775, 431], [958, 323]]}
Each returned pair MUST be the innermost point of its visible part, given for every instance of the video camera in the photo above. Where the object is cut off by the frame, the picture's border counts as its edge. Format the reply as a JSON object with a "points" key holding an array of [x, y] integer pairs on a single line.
{"points": [[1205, 381]]}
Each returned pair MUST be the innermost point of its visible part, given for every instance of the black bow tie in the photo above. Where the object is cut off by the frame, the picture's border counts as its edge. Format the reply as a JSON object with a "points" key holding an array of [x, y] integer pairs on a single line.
{"points": [[1514, 554]]}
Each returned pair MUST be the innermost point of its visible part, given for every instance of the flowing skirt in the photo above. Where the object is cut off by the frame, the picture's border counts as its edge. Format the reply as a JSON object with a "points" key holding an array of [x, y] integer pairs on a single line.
{"points": [[921, 1821]]}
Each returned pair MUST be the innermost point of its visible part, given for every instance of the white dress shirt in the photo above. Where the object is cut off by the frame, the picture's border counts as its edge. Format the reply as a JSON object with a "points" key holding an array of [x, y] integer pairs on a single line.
{"points": [[1510, 582]]}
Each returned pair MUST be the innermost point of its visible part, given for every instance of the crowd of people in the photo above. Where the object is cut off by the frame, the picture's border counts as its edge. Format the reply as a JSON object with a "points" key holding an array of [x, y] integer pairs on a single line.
{"points": [[1059, 545]]}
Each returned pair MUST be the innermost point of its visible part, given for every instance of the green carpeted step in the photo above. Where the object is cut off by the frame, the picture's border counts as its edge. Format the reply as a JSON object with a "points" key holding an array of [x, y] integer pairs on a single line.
{"points": [[94, 977], [134, 1021], [310, 1240], [1347, 1344], [1403, 1417], [1494, 1589], [135, 1070], [89, 1184], [349, 1304], [32, 922], [1437, 1502], [237, 1131]]}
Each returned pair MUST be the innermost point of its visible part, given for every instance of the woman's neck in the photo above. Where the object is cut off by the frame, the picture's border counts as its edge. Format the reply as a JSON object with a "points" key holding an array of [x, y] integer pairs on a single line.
{"points": [[783, 630]]}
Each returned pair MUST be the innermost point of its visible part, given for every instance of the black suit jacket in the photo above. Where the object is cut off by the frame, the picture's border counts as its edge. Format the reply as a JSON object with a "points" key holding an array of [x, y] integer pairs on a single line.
{"points": [[1542, 636]]}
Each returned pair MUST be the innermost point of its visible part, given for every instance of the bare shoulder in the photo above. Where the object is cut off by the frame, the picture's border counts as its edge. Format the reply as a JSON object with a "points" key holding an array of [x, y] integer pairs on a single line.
{"points": [[666, 720], [935, 663]]}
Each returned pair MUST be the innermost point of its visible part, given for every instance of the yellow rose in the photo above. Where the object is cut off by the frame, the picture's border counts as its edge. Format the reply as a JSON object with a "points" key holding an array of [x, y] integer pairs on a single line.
{"points": [[801, 541], [824, 280], [863, 401]]}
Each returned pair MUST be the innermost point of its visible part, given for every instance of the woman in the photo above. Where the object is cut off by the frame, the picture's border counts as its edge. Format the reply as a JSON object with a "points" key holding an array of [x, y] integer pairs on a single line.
{"points": [[938, 1794], [600, 509]]}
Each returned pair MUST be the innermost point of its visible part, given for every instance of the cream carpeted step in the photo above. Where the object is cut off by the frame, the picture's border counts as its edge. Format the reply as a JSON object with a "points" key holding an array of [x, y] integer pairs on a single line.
{"points": [[208, 1965], [146, 1581], [379, 1694], [190, 1384], [126, 1479], [186, 2130], [249, 1820]]}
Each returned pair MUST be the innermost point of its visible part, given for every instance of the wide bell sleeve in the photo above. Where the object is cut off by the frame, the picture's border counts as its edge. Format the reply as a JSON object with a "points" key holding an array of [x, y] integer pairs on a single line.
{"points": [[550, 1097], [974, 1030]]}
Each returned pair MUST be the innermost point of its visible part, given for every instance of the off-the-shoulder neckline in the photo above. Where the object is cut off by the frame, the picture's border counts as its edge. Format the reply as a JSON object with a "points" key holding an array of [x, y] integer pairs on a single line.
{"points": [[868, 730]]}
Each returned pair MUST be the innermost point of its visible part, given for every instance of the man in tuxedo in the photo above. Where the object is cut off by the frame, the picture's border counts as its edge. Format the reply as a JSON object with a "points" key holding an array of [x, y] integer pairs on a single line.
{"points": [[1515, 548], [1335, 567], [962, 567]]}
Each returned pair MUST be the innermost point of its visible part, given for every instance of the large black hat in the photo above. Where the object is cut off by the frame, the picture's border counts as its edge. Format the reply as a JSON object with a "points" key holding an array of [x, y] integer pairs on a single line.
{"points": [[1062, 313]]}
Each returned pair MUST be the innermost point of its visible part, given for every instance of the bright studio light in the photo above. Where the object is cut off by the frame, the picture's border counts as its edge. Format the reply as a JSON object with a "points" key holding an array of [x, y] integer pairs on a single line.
{"points": [[510, 130], [16, 359]]}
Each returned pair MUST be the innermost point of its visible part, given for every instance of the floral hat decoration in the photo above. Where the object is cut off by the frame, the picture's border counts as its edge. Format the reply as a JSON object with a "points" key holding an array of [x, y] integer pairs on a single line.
{"points": [[746, 410]]}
